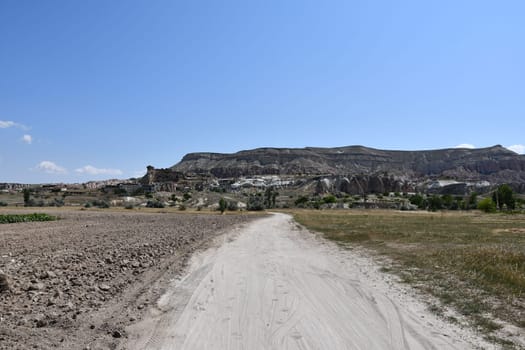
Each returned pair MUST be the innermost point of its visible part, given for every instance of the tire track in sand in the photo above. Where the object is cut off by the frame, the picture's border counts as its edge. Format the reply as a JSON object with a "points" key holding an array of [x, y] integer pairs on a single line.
{"points": [[277, 287]]}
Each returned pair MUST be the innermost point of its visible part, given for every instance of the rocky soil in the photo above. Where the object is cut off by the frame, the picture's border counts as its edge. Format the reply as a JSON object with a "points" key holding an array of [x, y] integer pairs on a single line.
{"points": [[76, 283]]}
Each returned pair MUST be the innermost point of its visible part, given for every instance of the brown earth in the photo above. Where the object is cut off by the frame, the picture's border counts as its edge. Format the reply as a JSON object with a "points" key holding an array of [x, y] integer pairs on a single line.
{"points": [[76, 283]]}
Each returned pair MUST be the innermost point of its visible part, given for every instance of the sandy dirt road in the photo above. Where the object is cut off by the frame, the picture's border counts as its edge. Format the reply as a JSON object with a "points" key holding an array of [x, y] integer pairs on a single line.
{"points": [[273, 285]]}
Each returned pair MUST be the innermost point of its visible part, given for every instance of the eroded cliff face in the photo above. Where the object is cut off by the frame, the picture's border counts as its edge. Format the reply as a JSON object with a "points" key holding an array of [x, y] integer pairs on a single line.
{"points": [[495, 164]]}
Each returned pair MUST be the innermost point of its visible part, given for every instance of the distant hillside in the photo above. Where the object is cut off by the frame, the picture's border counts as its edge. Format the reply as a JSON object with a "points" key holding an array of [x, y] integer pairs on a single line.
{"points": [[494, 164]]}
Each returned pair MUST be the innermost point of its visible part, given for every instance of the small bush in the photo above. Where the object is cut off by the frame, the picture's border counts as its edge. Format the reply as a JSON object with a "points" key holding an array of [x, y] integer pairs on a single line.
{"points": [[487, 205], [330, 199], [301, 201], [154, 204], [3, 204]]}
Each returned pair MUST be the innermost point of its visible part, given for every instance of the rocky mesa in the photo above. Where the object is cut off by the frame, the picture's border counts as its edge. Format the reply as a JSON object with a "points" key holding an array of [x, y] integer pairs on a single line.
{"points": [[492, 164]]}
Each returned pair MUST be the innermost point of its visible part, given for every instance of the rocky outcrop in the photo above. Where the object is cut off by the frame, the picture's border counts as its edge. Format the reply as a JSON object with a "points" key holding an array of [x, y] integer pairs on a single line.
{"points": [[382, 169], [362, 184], [154, 175]]}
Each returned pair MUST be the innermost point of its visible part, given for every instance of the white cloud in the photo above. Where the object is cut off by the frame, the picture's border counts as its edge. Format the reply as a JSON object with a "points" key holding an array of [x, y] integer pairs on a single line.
{"points": [[27, 139], [91, 170], [6, 124], [465, 145], [51, 168], [520, 149]]}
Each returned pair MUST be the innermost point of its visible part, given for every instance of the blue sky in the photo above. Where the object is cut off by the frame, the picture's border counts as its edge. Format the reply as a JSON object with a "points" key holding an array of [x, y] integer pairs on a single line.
{"points": [[101, 89]]}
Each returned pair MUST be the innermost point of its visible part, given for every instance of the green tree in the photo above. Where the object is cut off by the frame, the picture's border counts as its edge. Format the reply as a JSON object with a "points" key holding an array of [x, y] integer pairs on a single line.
{"points": [[418, 200], [255, 202], [472, 201], [504, 197], [27, 197], [270, 196], [222, 205], [447, 200], [435, 203]]}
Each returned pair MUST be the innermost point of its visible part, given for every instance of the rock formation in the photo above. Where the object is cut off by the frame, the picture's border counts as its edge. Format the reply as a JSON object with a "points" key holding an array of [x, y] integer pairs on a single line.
{"points": [[358, 168]]}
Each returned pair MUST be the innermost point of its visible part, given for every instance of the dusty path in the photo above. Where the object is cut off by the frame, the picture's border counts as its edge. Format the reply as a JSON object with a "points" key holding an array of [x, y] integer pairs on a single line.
{"points": [[274, 286]]}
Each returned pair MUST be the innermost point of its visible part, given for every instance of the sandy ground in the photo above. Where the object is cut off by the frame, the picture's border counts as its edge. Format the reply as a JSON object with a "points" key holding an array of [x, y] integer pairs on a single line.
{"points": [[273, 285]]}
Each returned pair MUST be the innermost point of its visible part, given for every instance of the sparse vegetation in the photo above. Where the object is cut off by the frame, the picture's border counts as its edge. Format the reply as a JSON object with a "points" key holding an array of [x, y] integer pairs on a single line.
{"points": [[470, 261]]}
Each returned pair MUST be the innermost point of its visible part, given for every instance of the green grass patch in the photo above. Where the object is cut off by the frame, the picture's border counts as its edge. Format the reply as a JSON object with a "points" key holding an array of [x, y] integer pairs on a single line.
{"points": [[471, 261], [14, 218]]}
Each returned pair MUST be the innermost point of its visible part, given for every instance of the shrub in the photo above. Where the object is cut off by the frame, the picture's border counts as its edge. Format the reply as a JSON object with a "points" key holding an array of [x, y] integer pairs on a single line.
{"points": [[154, 204], [222, 205], [487, 205], [301, 201], [329, 199], [3, 204]]}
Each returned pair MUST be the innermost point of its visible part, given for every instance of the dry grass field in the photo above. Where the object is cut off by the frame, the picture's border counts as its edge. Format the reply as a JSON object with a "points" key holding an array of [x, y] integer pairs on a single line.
{"points": [[472, 262]]}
